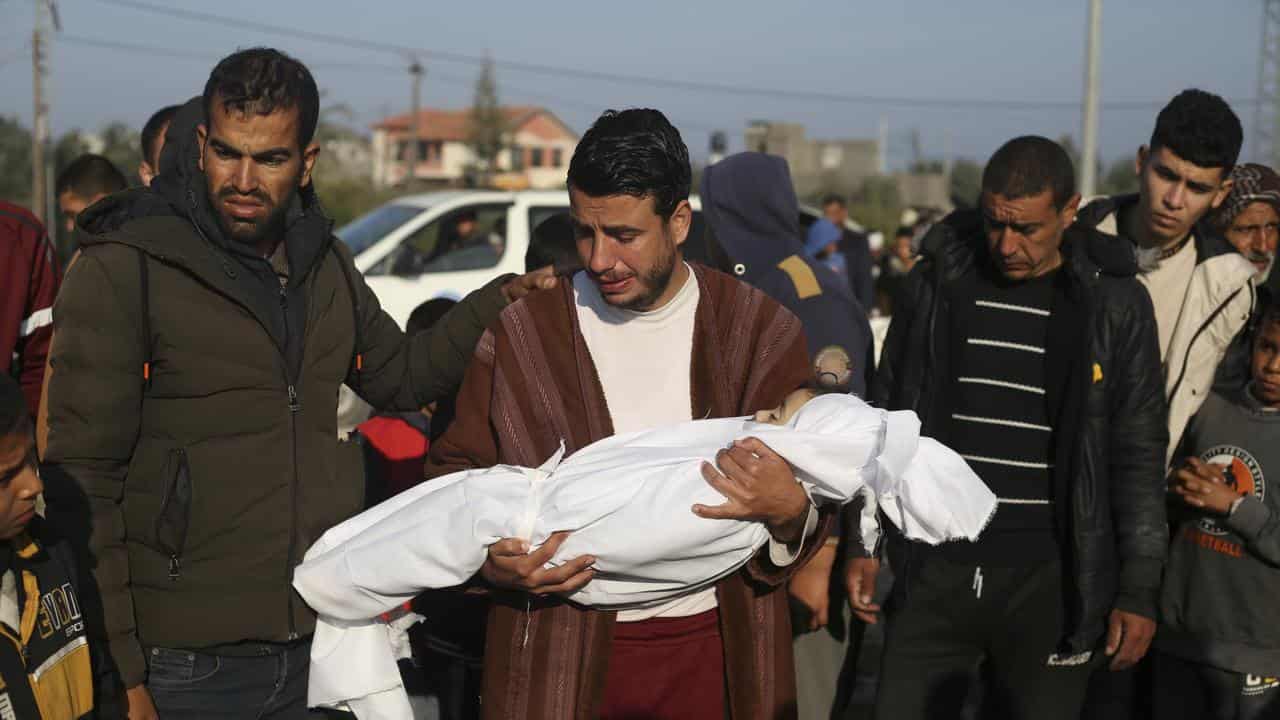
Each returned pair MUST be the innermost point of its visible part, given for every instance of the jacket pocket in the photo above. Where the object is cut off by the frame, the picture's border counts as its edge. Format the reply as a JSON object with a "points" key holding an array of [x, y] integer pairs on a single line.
{"points": [[174, 518]]}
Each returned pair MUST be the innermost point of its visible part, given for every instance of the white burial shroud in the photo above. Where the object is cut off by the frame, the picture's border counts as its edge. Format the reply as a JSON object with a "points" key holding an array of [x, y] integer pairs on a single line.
{"points": [[627, 501]]}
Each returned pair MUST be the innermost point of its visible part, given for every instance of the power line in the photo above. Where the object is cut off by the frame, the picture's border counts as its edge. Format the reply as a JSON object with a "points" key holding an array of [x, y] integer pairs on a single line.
{"points": [[666, 83], [447, 78], [211, 56]]}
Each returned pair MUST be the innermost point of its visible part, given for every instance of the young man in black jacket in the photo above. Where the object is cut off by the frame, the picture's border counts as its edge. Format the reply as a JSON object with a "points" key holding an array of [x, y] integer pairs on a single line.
{"points": [[1025, 344]]}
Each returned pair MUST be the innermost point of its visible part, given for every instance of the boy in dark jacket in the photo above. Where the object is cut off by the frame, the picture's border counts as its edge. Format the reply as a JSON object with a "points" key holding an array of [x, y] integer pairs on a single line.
{"points": [[1218, 643], [45, 669]]}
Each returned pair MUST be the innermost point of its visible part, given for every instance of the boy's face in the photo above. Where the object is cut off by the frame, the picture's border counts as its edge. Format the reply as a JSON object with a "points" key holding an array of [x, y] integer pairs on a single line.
{"points": [[19, 484], [1266, 364], [781, 415]]}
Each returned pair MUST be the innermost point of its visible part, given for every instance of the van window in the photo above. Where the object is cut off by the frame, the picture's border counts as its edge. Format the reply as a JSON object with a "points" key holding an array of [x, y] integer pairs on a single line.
{"points": [[472, 238], [366, 230]]}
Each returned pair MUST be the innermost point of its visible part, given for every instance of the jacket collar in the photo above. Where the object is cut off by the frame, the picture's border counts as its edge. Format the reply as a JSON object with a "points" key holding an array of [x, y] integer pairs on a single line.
{"points": [[956, 243], [1209, 242]]}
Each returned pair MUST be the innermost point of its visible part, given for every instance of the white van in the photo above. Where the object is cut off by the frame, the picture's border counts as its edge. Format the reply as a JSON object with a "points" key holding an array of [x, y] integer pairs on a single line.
{"points": [[409, 251]]}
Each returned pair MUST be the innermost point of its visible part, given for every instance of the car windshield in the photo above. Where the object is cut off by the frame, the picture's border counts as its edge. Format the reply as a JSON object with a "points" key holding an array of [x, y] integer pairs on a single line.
{"points": [[360, 234]]}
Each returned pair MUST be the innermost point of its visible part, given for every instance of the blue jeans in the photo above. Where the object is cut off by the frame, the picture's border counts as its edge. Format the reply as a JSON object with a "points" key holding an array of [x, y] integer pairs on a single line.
{"points": [[191, 685]]}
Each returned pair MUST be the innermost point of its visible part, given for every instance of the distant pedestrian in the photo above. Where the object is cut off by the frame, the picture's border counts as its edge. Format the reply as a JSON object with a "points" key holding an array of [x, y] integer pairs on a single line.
{"points": [[856, 249], [895, 266], [88, 179], [822, 243], [152, 142]]}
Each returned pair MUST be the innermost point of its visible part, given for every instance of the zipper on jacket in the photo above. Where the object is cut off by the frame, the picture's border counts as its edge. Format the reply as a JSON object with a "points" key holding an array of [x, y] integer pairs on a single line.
{"points": [[1186, 357], [175, 558], [294, 407]]}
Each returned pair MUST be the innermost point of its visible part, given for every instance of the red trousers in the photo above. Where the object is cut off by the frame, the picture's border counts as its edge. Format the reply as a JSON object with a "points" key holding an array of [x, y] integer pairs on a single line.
{"points": [[666, 669]]}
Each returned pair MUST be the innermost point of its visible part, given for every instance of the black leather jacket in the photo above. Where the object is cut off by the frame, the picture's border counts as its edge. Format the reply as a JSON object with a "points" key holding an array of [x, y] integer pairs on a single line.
{"points": [[1109, 418]]}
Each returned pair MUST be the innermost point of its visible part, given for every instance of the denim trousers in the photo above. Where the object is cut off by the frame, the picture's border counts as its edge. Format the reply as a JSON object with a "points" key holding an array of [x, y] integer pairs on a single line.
{"points": [[264, 681]]}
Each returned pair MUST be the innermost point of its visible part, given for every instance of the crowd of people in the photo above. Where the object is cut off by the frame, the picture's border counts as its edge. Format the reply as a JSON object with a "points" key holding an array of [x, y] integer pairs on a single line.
{"points": [[1108, 367]]}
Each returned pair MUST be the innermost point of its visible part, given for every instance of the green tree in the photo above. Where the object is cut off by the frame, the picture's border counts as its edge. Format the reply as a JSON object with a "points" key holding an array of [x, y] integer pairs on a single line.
{"points": [[1120, 178], [965, 183], [15, 161], [876, 205], [488, 126], [122, 145], [68, 147]]}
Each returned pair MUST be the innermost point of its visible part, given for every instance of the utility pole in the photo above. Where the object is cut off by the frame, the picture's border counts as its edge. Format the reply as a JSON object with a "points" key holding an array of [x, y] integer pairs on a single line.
{"points": [[1266, 114], [1089, 133], [416, 72], [883, 155], [46, 14], [39, 117]]}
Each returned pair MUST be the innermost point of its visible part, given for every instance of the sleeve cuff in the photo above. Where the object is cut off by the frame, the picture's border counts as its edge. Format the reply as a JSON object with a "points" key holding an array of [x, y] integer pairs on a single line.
{"points": [[782, 555], [1250, 518], [129, 660]]}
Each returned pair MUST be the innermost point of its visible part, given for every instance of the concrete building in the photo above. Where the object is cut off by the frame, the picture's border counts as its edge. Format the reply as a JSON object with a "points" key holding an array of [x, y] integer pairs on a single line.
{"points": [[817, 166], [924, 190], [536, 152]]}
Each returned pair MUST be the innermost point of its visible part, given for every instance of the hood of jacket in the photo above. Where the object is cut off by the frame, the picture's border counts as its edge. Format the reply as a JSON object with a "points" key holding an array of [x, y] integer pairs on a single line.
{"points": [[750, 203], [821, 233], [180, 192]]}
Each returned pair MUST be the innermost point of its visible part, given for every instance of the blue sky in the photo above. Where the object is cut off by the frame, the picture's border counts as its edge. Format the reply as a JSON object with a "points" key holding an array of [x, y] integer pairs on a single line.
{"points": [[978, 49]]}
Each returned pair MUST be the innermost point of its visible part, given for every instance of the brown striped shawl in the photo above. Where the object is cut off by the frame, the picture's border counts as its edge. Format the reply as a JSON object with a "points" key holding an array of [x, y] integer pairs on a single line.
{"points": [[531, 383]]}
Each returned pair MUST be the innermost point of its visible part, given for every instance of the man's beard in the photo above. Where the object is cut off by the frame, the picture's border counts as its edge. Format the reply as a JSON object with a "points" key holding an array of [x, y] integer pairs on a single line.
{"points": [[1262, 275], [246, 233], [654, 282]]}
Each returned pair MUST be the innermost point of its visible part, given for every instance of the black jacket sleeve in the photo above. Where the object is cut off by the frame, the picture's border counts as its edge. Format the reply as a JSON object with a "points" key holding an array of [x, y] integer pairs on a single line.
{"points": [[1136, 456], [884, 392]]}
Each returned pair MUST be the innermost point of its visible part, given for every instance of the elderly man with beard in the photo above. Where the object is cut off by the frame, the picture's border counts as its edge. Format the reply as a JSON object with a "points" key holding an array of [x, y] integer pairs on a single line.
{"points": [[636, 340], [202, 338], [1249, 219]]}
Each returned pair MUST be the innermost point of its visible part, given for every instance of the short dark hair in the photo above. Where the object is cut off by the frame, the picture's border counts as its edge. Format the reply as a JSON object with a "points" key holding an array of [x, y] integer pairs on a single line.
{"points": [[261, 81], [634, 152], [1029, 165], [1269, 313], [151, 133], [905, 231], [832, 199], [552, 243], [428, 314], [89, 176], [15, 416], [1201, 128]]}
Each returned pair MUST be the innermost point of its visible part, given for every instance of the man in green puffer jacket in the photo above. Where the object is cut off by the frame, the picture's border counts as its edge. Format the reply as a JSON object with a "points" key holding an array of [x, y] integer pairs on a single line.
{"points": [[202, 339]]}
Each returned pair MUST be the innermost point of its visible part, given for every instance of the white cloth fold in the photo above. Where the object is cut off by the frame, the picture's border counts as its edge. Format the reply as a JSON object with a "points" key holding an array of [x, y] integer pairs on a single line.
{"points": [[627, 501]]}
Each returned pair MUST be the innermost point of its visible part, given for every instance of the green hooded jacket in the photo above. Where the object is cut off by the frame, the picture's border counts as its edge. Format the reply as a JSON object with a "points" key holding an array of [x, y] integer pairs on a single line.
{"points": [[200, 435]]}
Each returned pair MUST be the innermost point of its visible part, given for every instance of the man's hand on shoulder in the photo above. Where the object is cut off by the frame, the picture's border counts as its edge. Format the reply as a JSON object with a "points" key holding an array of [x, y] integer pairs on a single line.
{"points": [[511, 566], [540, 279], [759, 486]]}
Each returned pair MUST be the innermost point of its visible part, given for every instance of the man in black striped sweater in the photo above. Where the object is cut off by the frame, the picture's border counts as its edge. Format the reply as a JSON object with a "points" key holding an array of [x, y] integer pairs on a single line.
{"points": [[1030, 349]]}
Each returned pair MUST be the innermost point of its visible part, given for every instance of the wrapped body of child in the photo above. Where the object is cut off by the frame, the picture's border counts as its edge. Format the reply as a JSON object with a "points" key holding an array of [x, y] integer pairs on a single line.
{"points": [[627, 500]]}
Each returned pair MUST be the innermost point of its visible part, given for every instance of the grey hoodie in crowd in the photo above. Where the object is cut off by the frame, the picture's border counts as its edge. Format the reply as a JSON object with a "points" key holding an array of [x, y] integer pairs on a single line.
{"points": [[1218, 603], [750, 208]]}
